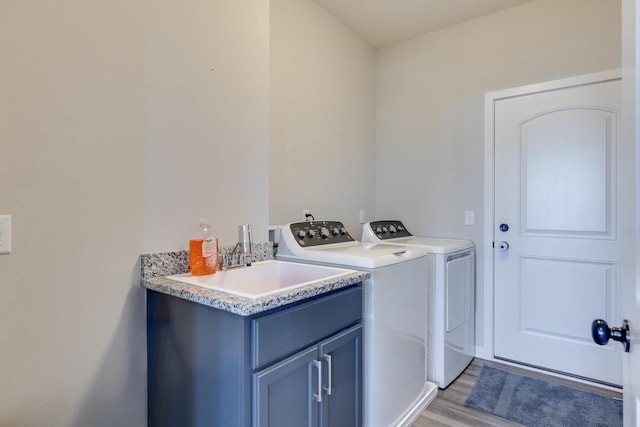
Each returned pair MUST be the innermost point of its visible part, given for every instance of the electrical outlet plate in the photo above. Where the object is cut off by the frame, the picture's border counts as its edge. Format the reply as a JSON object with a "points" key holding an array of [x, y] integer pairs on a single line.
{"points": [[5, 234]]}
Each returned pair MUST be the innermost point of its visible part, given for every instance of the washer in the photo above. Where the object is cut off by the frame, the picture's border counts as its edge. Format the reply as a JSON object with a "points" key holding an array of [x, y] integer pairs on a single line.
{"points": [[451, 326], [395, 386]]}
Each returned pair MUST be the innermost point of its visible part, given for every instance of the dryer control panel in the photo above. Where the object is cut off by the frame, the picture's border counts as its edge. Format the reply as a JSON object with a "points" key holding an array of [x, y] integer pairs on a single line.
{"points": [[315, 233], [389, 229]]}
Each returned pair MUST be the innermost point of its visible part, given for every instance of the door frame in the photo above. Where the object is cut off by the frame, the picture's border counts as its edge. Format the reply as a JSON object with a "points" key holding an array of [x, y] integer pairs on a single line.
{"points": [[487, 350], [630, 130]]}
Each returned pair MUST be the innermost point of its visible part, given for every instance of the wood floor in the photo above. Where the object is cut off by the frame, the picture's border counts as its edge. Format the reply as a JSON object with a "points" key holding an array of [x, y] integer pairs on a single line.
{"points": [[448, 409]]}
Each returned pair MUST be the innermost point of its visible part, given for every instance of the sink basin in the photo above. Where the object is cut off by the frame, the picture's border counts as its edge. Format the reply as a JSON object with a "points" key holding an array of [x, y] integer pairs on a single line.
{"points": [[264, 278]]}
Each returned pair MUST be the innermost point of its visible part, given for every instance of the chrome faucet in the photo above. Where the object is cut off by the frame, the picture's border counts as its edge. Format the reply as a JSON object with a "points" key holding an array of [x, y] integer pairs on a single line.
{"points": [[242, 253]]}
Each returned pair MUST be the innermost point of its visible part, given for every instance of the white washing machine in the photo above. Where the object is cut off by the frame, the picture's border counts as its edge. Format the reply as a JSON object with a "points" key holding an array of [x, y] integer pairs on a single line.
{"points": [[451, 277], [395, 386]]}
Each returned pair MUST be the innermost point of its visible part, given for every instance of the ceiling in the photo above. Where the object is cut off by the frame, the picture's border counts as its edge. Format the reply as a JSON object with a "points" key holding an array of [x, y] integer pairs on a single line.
{"points": [[385, 22]]}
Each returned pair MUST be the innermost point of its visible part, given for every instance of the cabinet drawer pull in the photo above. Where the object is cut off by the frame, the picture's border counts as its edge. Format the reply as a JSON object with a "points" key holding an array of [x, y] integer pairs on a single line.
{"points": [[327, 357], [318, 397]]}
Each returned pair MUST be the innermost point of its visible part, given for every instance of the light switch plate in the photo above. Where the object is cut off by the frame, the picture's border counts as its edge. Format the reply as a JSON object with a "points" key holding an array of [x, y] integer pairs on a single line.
{"points": [[5, 234], [469, 217]]}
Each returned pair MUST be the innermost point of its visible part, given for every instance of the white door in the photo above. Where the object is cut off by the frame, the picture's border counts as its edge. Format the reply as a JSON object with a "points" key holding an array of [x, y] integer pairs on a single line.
{"points": [[560, 179]]}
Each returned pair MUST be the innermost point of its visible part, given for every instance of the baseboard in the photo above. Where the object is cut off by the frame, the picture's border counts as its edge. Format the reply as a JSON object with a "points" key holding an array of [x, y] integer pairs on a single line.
{"points": [[429, 393]]}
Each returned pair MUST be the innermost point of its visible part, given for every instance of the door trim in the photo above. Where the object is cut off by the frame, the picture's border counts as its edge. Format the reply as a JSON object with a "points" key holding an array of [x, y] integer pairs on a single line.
{"points": [[487, 350]]}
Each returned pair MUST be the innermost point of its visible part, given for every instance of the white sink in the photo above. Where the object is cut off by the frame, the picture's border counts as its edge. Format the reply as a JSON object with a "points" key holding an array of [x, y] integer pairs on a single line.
{"points": [[264, 278]]}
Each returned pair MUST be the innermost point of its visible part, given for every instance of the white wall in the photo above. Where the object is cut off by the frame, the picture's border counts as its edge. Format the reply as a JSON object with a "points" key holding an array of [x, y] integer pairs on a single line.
{"points": [[430, 105], [321, 116], [110, 112]]}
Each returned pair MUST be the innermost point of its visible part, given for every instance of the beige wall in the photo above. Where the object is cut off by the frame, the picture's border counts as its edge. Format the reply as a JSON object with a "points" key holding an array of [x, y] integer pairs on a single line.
{"points": [[430, 106], [321, 116], [110, 112], [206, 81]]}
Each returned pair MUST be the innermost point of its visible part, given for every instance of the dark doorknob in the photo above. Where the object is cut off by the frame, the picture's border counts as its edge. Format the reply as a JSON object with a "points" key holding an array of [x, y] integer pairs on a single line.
{"points": [[504, 227], [601, 333]]}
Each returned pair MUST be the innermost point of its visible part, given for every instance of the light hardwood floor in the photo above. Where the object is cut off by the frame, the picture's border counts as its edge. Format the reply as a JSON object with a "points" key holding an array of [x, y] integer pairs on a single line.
{"points": [[448, 409]]}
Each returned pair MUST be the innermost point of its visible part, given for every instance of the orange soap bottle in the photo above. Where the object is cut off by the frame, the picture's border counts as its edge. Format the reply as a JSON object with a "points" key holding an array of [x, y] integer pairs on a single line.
{"points": [[203, 251]]}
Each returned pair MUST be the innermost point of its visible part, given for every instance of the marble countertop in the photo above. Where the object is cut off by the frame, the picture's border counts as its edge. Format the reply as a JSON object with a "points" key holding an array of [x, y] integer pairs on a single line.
{"points": [[155, 268], [248, 306]]}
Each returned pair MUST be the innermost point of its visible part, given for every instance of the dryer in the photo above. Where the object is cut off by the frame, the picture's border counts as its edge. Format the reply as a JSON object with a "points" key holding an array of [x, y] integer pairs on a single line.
{"points": [[395, 386], [451, 278]]}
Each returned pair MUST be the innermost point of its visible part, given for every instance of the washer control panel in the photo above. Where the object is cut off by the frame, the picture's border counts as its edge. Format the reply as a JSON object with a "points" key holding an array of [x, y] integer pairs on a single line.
{"points": [[315, 233], [389, 229]]}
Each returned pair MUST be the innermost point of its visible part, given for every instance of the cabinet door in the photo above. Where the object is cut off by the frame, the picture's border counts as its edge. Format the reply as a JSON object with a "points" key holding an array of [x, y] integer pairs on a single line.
{"points": [[341, 356], [283, 395]]}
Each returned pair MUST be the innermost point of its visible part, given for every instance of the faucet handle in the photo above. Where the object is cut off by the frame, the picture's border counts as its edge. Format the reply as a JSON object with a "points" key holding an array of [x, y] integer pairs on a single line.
{"points": [[246, 259], [223, 260]]}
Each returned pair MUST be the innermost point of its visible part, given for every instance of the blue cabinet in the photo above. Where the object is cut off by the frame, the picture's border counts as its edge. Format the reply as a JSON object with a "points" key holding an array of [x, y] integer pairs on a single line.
{"points": [[319, 386], [342, 354], [297, 365]]}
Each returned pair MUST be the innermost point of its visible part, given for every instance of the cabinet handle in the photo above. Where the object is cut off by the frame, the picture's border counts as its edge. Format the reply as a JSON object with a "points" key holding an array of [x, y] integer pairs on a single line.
{"points": [[318, 397], [328, 387]]}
